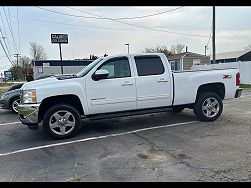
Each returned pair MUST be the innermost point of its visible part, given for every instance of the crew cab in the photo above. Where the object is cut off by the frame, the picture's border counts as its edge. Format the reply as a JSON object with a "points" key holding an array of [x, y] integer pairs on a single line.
{"points": [[124, 85]]}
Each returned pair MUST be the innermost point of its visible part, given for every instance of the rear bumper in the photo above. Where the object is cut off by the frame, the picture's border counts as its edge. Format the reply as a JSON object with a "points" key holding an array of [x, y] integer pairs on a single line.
{"points": [[28, 114], [238, 93]]}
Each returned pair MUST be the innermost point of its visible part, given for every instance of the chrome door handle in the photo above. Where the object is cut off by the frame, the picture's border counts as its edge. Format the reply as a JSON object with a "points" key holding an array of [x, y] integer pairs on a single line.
{"points": [[127, 84], [162, 80]]}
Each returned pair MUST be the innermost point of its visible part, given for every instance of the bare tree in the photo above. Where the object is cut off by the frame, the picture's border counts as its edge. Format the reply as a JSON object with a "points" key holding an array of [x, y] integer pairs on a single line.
{"points": [[248, 47], [158, 49], [25, 64], [178, 48], [37, 52], [20, 72]]}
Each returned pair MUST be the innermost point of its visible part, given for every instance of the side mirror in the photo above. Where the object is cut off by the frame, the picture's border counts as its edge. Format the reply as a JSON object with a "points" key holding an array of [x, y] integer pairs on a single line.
{"points": [[100, 74]]}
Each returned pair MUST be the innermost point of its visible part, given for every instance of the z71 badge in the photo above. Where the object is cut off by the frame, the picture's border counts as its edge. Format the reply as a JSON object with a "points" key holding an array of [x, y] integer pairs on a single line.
{"points": [[227, 76]]}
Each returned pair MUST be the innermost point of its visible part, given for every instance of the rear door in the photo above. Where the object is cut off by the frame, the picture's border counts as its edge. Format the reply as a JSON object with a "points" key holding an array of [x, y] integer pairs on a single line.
{"points": [[153, 84]]}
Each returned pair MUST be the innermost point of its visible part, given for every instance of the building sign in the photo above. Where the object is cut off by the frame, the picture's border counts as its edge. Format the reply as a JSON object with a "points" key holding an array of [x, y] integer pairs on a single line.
{"points": [[8, 74], [59, 38]]}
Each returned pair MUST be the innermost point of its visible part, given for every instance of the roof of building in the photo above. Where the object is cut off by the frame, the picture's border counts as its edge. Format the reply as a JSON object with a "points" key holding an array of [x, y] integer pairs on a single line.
{"points": [[230, 55], [176, 56], [64, 62], [180, 55]]}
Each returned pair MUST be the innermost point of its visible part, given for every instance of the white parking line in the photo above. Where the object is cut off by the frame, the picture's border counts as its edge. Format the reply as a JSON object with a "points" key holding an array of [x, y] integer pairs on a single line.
{"points": [[93, 138], [10, 123]]}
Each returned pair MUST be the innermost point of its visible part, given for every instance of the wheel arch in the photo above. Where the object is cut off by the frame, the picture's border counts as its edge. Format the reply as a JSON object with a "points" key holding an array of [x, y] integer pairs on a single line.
{"points": [[217, 88], [12, 99], [72, 100]]}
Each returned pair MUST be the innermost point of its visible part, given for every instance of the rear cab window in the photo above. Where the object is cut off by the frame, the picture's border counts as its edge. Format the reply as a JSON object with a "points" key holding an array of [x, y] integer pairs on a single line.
{"points": [[149, 65]]}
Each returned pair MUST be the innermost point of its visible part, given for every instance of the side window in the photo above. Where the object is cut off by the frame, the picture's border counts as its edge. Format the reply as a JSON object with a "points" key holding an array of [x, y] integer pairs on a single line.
{"points": [[117, 68], [149, 65]]}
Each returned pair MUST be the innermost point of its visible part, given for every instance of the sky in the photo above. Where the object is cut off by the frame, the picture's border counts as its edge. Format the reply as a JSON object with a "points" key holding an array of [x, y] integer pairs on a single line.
{"points": [[89, 33]]}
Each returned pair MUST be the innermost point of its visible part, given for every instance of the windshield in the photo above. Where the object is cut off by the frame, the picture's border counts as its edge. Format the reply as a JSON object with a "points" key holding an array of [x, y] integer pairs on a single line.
{"points": [[89, 67]]}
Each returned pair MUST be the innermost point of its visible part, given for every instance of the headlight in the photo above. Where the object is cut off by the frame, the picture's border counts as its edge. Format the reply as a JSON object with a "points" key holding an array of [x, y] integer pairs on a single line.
{"points": [[3, 96], [29, 96]]}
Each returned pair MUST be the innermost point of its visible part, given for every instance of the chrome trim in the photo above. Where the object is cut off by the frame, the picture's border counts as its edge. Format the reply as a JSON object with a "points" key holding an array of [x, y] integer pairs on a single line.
{"points": [[28, 113]]}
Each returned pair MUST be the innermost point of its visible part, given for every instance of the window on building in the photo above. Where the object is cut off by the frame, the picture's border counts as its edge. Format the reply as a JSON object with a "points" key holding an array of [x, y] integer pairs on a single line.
{"points": [[175, 65], [149, 65], [196, 62], [40, 69], [117, 68], [46, 64]]}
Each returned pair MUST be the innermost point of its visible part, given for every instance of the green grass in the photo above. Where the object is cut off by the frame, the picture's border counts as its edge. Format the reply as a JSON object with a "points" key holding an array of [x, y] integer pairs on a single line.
{"points": [[245, 86], [2, 91], [5, 84], [76, 178]]}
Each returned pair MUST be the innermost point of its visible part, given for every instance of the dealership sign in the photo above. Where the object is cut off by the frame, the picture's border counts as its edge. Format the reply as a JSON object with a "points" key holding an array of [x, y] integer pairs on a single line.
{"points": [[8, 74], [59, 38]]}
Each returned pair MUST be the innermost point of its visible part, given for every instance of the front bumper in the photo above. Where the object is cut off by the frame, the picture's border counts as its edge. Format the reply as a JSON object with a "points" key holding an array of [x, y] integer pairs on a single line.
{"points": [[28, 113], [4, 103], [238, 93]]}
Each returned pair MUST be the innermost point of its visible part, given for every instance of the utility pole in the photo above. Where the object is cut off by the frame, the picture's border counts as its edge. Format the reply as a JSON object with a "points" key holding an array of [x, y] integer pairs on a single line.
{"points": [[17, 56], [213, 37]]}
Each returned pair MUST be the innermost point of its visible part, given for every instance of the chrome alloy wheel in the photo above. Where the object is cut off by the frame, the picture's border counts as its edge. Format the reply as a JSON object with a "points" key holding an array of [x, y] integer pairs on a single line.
{"points": [[15, 104], [210, 107], [62, 122]]}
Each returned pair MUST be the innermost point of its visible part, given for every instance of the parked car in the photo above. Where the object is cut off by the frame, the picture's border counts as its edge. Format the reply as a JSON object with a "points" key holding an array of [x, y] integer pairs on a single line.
{"points": [[11, 98], [124, 85]]}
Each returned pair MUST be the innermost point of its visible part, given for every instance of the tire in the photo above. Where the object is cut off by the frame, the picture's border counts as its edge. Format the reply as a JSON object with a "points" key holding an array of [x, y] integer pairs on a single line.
{"points": [[14, 103], [208, 107], [177, 109], [62, 121]]}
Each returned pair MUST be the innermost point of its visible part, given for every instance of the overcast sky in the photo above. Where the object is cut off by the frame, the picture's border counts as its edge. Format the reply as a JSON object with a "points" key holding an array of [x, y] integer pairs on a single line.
{"points": [[188, 25]]}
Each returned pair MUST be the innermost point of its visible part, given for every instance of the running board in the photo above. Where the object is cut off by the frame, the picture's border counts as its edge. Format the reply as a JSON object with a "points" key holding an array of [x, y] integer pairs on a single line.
{"points": [[129, 113]]}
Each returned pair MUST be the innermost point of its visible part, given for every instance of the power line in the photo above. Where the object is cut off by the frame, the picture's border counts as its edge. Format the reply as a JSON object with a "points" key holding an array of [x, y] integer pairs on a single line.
{"points": [[5, 44], [68, 14], [5, 51], [95, 27], [79, 25], [5, 34], [137, 17], [141, 26], [18, 31], [10, 30], [3, 23], [101, 17]]}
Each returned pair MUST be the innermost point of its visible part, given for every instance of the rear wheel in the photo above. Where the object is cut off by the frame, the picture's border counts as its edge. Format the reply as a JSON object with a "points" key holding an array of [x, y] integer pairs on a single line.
{"points": [[62, 121], [14, 104], [208, 107]]}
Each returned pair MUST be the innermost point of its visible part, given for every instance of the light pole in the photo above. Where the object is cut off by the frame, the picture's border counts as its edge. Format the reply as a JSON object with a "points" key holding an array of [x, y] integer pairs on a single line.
{"points": [[127, 47], [213, 37]]}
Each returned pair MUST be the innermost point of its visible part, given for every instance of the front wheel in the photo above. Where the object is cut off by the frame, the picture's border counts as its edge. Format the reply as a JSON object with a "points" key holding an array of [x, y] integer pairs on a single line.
{"points": [[14, 104], [62, 121], [208, 107]]}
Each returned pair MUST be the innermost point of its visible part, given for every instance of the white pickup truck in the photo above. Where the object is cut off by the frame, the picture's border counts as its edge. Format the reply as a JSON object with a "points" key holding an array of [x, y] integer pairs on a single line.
{"points": [[123, 85]]}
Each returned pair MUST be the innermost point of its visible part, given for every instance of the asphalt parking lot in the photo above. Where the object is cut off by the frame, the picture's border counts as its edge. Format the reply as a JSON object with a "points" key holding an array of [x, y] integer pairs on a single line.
{"points": [[157, 147]]}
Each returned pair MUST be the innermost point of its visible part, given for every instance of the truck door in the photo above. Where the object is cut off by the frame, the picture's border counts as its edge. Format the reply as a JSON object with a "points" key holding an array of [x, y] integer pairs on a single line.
{"points": [[153, 83], [115, 93]]}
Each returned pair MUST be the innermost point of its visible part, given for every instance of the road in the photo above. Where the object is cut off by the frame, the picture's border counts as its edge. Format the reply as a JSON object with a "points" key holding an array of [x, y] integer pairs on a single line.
{"points": [[157, 147]]}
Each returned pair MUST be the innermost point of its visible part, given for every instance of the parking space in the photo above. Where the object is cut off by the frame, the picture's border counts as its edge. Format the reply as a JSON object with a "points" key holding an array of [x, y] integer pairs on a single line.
{"points": [[157, 147]]}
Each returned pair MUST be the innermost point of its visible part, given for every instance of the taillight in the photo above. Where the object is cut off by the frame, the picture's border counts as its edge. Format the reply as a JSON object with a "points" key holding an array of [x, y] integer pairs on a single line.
{"points": [[238, 79]]}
